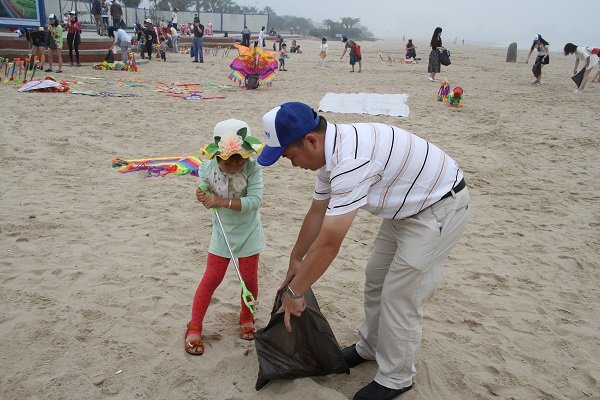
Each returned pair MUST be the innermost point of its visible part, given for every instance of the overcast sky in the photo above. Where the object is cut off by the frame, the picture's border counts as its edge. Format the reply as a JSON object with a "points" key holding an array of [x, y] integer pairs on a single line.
{"points": [[500, 22]]}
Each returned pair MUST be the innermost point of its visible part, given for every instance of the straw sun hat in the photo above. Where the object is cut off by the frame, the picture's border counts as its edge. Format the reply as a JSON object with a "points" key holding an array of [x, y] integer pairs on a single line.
{"points": [[230, 137]]}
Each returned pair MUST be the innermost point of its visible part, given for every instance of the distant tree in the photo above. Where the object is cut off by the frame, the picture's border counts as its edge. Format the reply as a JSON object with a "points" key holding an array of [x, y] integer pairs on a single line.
{"points": [[349, 22], [249, 10], [162, 5], [181, 4], [132, 3], [328, 24], [268, 10]]}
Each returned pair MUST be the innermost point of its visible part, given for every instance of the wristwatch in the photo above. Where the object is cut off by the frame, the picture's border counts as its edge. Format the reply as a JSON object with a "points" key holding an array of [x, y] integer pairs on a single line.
{"points": [[294, 295]]}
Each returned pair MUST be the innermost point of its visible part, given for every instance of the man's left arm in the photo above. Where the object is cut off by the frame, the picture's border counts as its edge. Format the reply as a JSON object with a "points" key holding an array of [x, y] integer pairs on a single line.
{"points": [[319, 257]]}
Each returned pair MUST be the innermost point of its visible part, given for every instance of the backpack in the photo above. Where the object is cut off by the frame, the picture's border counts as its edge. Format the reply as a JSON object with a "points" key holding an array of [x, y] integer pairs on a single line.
{"points": [[357, 48], [96, 8], [252, 82]]}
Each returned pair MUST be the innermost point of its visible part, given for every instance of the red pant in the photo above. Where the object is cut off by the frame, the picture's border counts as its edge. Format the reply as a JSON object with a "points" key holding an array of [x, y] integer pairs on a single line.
{"points": [[216, 267]]}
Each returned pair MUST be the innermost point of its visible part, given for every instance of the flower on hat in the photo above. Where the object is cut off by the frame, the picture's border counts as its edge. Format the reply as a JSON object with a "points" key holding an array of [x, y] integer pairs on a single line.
{"points": [[233, 143]]}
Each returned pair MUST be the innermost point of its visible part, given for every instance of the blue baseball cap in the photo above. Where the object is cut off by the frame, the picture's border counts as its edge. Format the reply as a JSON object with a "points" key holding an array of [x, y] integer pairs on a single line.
{"points": [[284, 125]]}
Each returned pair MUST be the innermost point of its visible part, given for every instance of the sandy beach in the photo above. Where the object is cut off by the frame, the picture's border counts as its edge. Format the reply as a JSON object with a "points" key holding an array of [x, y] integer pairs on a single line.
{"points": [[98, 269]]}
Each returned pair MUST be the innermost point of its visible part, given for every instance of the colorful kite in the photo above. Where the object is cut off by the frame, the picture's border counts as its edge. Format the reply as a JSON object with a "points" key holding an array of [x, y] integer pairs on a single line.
{"points": [[254, 61], [159, 166]]}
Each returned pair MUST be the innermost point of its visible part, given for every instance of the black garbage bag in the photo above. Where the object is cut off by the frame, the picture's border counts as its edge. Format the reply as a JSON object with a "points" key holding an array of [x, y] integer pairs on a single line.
{"points": [[110, 57], [252, 81], [309, 350], [578, 77]]}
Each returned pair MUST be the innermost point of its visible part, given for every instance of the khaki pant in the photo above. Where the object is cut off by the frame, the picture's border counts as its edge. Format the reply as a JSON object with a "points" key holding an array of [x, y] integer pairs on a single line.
{"points": [[403, 272], [100, 28]]}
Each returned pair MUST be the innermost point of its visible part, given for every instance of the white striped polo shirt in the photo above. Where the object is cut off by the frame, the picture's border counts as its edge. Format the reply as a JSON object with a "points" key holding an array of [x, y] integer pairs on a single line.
{"points": [[382, 169]]}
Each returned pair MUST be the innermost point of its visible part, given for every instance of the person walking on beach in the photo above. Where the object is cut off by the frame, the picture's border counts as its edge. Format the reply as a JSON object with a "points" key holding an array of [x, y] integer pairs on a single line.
{"points": [[235, 186], [541, 59], [97, 14], [355, 53], [420, 193], [150, 38], [73, 36], [589, 61], [434, 66]]}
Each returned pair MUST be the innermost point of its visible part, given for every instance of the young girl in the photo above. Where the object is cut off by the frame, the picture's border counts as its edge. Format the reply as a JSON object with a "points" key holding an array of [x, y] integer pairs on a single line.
{"points": [[162, 48], [282, 56], [323, 51], [74, 36], [55, 47], [235, 186]]}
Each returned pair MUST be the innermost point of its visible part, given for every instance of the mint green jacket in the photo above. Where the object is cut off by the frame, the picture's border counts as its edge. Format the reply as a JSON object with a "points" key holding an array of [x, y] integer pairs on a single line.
{"points": [[243, 228]]}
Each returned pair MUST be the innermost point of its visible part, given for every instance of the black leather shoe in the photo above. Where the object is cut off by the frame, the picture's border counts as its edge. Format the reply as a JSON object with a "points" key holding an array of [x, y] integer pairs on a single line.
{"points": [[375, 391], [352, 357]]}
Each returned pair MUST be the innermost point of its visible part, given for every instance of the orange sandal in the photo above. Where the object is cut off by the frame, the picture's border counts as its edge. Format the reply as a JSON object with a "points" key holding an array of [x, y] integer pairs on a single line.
{"points": [[248, 332], [194, 347]]}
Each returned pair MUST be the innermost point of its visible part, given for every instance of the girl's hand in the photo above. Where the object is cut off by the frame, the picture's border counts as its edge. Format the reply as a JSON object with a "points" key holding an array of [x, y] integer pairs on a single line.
{"points": [[210, 200], [200, 195]]}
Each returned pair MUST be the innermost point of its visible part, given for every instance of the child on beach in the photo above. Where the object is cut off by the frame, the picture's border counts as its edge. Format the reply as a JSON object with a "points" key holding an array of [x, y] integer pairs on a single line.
{"points": [[282, 56], [163, 48], [235, 186], [323, 53]]}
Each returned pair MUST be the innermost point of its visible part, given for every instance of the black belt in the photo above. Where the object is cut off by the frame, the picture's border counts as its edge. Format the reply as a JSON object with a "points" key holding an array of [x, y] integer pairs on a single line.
{"points": [[460, 186]]}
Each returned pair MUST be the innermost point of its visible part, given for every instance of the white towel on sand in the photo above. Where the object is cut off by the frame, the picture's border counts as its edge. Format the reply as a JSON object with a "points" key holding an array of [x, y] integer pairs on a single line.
{"points": [[365, 103]]}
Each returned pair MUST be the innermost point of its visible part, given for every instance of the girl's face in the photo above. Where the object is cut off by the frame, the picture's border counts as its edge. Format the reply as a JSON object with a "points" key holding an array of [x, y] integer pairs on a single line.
{"points": [[72, 17], [232, 165]]}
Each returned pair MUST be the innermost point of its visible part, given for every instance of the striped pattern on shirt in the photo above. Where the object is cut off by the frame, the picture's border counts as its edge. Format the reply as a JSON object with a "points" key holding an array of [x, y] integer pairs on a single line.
{"points": [[382, 169]]}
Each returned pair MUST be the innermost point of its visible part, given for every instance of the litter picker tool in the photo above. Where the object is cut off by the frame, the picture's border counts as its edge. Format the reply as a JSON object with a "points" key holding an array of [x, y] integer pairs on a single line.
{"points": [[247, 295]]}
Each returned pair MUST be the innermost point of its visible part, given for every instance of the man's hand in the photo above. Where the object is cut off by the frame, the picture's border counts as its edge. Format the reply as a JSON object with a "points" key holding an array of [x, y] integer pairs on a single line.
{"points": [[291, 307], [293, 268]]}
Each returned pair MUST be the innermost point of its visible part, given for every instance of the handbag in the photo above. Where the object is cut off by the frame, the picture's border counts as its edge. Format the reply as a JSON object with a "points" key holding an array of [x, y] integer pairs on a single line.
{"points": [[445, 57], [546, 60]]}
